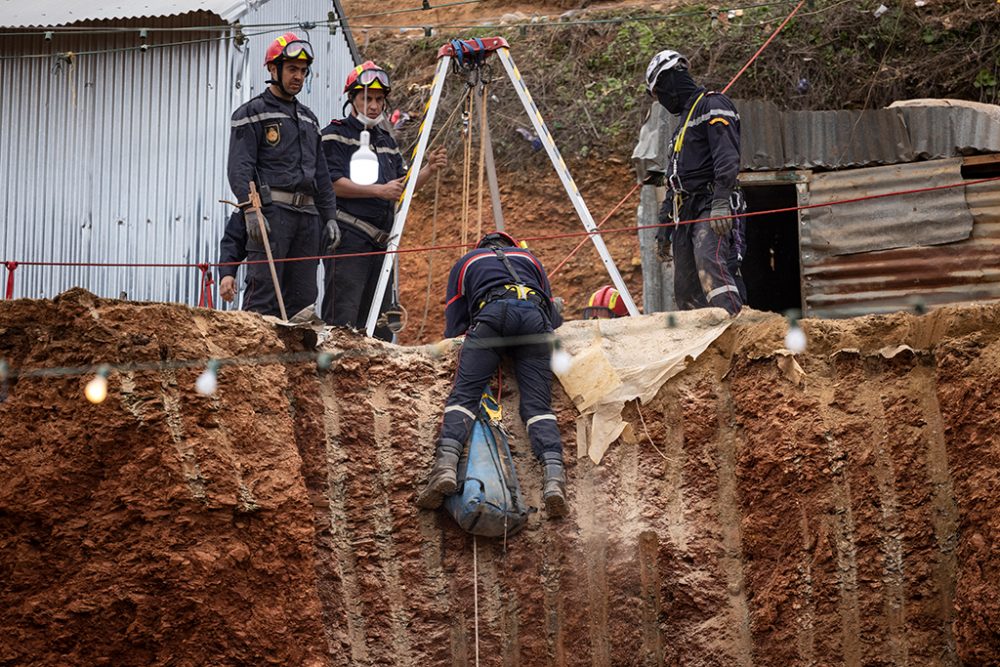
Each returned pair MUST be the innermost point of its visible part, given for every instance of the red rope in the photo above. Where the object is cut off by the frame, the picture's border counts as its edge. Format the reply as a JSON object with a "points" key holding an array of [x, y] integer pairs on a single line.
{"points": [[547, 237], [601, 224], [764, 45], [9, 293]]}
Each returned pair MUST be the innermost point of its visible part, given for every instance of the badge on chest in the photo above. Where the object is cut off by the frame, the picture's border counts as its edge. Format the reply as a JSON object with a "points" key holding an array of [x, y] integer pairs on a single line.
{"points": [[272, 134]]}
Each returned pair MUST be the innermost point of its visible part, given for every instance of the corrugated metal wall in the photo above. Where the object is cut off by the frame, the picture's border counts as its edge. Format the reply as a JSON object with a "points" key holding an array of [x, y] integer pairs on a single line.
{"points": [[121, 156], [900, 279]]}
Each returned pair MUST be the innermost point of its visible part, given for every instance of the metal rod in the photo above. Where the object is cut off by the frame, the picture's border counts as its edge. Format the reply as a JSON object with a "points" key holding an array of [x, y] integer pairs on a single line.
{"points": [[560, 166], [407, 196]]}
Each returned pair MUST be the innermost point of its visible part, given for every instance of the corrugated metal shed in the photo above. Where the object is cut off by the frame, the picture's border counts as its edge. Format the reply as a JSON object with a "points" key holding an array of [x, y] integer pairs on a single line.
{"points": [[120, 156], [940, 128], [773, 139], [762, 130], [838, 139], [44, 13]]}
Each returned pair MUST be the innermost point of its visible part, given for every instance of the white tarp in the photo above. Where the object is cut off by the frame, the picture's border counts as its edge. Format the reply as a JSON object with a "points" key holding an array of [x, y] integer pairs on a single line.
{"points": [[616, 361]]}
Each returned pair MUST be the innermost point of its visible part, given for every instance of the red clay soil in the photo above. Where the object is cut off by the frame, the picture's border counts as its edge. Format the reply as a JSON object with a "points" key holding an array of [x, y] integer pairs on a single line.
{"points": [[535, 205], [851, 520]]}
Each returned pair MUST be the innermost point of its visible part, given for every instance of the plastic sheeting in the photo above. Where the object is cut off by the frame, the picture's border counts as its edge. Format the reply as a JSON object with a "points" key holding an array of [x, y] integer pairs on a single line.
{"points": [[621, 360]]}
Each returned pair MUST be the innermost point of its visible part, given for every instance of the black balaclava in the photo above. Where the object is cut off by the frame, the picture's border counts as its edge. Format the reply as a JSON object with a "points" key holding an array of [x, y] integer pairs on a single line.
{"points": [[673, 88]]}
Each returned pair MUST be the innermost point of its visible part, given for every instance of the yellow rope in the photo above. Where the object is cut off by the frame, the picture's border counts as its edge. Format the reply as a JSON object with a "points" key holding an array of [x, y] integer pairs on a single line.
{"points": [[482, 162]]}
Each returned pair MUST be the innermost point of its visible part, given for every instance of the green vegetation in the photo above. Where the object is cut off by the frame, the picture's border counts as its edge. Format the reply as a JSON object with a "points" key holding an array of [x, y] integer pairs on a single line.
{"points": [[587, 78]]}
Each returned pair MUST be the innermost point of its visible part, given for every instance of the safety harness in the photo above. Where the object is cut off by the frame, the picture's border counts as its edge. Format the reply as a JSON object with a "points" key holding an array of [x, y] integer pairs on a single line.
{"points": [[737, 201], [674, 179], [516, 290]]}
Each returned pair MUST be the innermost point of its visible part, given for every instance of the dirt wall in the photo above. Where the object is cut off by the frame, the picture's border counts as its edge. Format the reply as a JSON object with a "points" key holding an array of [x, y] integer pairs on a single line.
{"points": [[847, 520]]}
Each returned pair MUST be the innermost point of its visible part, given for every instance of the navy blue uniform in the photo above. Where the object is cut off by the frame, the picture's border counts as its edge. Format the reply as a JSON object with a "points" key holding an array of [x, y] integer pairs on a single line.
{"points": [[351, 281], [233, 246], [276, 143], [479, 306], [706, 265]]}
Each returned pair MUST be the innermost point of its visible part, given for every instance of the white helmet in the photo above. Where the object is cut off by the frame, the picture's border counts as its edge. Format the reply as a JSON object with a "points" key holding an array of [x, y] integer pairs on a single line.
{"points": [[661, 62]]}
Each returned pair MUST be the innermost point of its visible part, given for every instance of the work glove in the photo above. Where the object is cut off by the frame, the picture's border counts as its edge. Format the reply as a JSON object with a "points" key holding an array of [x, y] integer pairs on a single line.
{"points": [[721, 207], [663, 235], [253, 226], [558, 303], [332, 235]]}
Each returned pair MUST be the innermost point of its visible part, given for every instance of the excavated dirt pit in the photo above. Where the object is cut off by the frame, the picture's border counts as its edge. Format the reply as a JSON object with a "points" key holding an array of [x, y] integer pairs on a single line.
{"points": [[849, 519]]}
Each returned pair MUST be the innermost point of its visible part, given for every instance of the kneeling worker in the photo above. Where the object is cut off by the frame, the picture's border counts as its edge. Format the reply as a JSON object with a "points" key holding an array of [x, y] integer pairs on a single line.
{"points": [[499, 297]]}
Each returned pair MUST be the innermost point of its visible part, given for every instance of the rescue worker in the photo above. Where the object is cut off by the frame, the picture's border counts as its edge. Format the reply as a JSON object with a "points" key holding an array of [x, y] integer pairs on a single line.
{"points": [[366, 212], [605, 303], [499, 297], [275, 142], [703, 164]]}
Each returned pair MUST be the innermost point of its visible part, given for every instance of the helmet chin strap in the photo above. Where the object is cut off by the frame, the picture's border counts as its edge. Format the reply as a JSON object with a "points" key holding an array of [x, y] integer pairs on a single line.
{"points": [[280, 65]]}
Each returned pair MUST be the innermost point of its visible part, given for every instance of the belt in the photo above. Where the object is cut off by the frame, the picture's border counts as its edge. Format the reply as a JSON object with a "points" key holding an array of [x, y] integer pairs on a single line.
{"points": [[519, 292], [378, 236], [291, 198]]}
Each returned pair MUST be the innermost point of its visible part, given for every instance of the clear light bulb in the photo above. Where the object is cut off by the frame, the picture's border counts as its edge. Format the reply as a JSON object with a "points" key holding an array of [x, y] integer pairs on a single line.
{"points": [[97, 389], [364, 163], [207, 382], [561, 361], [795, 339]]}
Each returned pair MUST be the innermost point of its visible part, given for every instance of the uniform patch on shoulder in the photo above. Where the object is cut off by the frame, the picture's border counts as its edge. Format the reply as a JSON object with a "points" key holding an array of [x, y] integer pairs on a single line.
{"points": [[718, 120], [272, 134]]}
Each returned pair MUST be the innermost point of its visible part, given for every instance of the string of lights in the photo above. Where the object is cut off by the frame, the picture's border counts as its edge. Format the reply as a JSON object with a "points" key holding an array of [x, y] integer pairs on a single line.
{"points": [[207, 382]]}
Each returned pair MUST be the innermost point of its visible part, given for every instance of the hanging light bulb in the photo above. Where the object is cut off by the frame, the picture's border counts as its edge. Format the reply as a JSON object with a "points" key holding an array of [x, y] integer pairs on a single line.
{"points": [[795, 339], [324, 360], [208, 381], [561, 360], [364, 163], [97, 389]]}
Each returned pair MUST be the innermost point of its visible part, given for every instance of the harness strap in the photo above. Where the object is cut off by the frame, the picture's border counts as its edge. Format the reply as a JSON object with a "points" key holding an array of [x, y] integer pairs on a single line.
{"points": [[502, 256], [674, 178]]}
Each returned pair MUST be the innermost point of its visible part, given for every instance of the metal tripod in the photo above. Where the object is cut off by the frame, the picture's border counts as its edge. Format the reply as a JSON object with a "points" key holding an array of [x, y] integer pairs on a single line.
{"points": [[476, 51]]}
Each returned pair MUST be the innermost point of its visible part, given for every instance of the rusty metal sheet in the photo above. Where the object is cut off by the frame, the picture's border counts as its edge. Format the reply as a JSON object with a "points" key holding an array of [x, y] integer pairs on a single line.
{"points": [[929, 218], [906, 278]]}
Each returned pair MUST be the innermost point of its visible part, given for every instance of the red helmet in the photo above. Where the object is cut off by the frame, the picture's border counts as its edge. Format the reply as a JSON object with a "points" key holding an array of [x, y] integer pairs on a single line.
{"points": [[499, 240], [605, 303], [289, 47], [367, 75]]}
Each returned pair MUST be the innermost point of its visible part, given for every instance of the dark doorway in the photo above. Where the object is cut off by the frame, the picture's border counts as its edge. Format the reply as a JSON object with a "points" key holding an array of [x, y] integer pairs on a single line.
{"points": [[771, 265]]}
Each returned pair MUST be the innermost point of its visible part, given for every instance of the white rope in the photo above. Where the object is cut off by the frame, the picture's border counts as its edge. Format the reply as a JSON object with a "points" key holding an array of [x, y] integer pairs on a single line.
{"points": [[475, 591]]}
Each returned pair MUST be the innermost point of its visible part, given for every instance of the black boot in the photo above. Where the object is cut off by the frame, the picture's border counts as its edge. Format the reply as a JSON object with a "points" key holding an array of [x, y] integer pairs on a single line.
{"points": [[442, 480], [554, 485]]}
